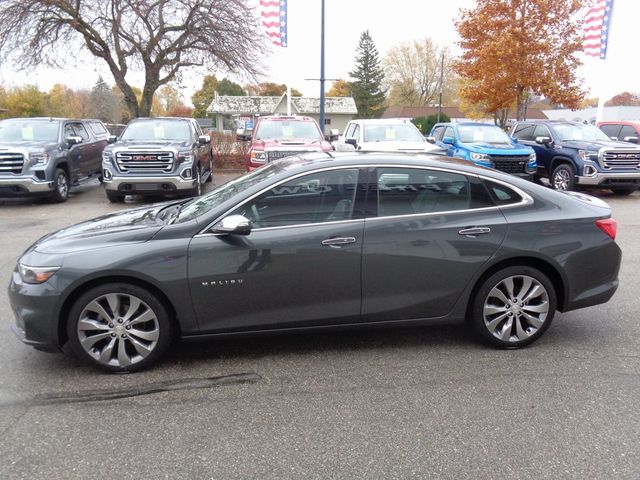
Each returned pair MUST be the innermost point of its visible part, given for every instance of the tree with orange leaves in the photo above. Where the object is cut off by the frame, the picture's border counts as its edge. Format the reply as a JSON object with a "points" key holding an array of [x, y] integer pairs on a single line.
{"points": [[514, 48]]}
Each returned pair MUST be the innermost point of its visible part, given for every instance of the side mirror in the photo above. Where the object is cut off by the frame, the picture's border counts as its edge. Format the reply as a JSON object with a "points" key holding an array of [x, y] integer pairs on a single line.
{"points": [[204, 139], [631, 139], [241, 137], [233, 224], [333, 135], [351, 141], [543, 140], [73, 140], [112, 139], [431, 139], [448, 140]]}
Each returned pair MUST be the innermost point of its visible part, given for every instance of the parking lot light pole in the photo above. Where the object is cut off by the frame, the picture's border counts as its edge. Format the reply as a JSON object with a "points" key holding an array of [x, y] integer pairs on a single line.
{"points": [[322, 66]]}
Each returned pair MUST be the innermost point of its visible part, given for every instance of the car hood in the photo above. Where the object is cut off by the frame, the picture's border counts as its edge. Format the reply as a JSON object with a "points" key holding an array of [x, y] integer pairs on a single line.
{"points": [[27, 147], [136, 225], [500, 149], [291, 143], [397, 146], [140, 144], [597, 145]]}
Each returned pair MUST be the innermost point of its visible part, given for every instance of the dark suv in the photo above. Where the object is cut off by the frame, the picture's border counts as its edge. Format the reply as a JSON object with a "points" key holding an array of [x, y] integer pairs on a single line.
{"points": [[157, 156], [47, 156], [574, 154]]}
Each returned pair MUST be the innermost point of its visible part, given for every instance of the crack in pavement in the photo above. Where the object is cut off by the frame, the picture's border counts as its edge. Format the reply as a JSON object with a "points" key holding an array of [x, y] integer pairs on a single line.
{"points": [[135, 391]]}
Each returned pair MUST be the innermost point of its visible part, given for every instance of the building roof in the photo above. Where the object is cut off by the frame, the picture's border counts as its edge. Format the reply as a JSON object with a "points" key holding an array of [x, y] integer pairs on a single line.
{"points": [[451, 112], [227, 104]]}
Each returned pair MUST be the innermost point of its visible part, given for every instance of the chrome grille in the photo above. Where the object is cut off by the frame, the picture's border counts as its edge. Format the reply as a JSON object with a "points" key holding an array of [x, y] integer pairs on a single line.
{"points": [[510, 163], [619, 159], [277, 154], [144, 161], [11, 163]]}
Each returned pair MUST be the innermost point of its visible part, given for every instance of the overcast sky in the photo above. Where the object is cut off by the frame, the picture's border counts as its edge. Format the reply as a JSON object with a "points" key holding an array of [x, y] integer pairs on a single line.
{"points": [[390, 23]]}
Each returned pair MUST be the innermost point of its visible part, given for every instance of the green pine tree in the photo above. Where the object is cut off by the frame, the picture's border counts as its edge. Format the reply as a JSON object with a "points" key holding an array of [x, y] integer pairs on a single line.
{"points": [[367, 79]]}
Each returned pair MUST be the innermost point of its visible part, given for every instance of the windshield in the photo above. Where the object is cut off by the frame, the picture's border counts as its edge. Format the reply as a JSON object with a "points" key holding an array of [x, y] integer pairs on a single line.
{"points": [[157, 129], [283, 130], [392, 133], [568, 132], [28, 131], [223, 193], [483, 134]]}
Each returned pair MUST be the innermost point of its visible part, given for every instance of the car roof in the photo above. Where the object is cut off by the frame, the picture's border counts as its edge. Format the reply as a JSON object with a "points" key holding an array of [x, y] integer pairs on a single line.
{"points": [[53, 119], [551, 122], [287, 118], [383, 121], [620, 122]]}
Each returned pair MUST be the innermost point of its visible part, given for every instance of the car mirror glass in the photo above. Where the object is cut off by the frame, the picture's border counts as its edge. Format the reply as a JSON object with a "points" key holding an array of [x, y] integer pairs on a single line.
{"points": [[73, 140], [233, 224], [543, 140], [204, 139]]}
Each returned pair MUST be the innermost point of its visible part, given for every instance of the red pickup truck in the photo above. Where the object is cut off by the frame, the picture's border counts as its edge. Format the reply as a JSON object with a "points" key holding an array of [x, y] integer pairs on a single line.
{"points": [[277, 137]]}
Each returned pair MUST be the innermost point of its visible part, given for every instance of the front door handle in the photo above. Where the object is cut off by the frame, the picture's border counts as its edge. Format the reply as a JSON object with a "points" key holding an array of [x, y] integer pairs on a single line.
{"points": [[473, 232], [338, 242]]}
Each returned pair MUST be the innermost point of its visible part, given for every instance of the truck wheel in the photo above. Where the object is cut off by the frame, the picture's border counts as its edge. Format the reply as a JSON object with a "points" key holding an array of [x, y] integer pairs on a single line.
{"points": [[210, 177], [623, 190], [197, 190], [115, 197], [60, 186], [563, 177]]}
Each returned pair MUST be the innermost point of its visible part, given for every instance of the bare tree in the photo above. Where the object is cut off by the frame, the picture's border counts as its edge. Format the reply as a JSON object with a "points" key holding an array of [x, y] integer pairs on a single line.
{"points": [[158, 37]]}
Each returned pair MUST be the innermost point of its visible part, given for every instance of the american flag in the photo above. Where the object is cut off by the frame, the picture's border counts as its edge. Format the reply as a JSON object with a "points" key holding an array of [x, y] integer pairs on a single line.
{"points": [[274, 19], [596, 28]]}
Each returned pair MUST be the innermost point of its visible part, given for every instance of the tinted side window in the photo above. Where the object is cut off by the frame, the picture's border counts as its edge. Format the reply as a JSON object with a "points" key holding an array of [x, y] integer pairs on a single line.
{"points": [[611, 130], [501, 194], [409, 191], [627, 131], [448, 132], [438, 133], [319, 197], [80, 131], [356, 132], [524, 132], [350, 129], [541, 131]]}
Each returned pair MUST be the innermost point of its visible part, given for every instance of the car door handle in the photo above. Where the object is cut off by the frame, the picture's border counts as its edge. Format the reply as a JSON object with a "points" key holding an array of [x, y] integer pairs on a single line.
{"points": [[338, 241], [473, 232]]}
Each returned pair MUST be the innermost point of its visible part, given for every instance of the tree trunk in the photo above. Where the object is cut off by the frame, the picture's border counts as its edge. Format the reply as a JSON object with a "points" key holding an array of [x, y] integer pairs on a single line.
{"points": [[520, 102]]}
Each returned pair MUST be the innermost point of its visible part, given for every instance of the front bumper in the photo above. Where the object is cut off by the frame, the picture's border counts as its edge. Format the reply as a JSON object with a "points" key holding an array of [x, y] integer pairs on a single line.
{"points": [[34, 307], [148, 185], [24, 186], [610, 179]]}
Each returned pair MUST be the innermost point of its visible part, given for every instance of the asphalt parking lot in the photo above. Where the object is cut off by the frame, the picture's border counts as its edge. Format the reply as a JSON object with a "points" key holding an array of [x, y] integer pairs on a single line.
{"points": [[412, 403]]}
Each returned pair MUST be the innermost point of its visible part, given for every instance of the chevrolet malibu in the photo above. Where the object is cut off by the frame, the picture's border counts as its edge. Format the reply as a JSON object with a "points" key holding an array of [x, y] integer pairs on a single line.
{"points": [[323, 240]]}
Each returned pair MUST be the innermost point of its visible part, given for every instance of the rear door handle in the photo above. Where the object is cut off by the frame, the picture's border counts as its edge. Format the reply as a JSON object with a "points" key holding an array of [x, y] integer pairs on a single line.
{"points": [[337, 242], [473, 232]]}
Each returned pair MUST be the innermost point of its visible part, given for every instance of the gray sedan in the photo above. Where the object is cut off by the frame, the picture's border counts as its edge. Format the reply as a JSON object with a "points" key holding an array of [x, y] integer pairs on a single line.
{"points": [[324, 240]]}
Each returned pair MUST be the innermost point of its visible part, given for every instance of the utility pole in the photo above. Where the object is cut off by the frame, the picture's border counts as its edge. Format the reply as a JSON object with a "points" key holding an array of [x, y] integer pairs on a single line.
{"points": [[322, 66], [440, 92]]}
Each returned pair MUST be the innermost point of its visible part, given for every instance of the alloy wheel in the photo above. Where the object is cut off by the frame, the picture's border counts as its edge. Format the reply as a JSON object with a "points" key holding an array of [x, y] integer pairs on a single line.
{"points": [[118, 329], [516, 308], [62, 185], [561, 180]]}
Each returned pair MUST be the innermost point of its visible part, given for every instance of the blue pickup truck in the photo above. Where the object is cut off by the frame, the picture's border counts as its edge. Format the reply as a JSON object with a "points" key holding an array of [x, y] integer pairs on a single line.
{"points": [[485, 145], [574, 155]]}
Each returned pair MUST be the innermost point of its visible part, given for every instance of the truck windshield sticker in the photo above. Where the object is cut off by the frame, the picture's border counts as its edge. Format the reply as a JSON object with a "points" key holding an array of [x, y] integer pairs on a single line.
{"points": [[158, 132], [287, 131], [478, 136], [27, 133], [390, 134]]}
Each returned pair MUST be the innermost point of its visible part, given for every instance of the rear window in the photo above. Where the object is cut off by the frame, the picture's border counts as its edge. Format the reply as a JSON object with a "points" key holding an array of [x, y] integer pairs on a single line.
{"points": [[501, 194]]}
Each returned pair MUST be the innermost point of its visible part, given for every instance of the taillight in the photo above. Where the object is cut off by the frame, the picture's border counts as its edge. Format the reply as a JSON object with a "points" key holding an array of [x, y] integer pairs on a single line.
{"points": [[608, 226]]}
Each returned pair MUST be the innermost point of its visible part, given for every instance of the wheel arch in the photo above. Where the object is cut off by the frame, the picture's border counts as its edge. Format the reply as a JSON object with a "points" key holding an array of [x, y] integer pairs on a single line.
{"points": [[559, 160], [63, 316], [544, 266]]}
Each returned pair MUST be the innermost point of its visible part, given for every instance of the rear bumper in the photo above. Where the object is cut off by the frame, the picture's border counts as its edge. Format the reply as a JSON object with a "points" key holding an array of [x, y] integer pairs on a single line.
{"points": [[610, 179], [149, 185], [24, 186]]}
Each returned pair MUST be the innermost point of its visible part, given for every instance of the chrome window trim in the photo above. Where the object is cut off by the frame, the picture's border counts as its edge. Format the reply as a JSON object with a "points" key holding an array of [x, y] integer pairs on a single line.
{"points": [[526, 198]]}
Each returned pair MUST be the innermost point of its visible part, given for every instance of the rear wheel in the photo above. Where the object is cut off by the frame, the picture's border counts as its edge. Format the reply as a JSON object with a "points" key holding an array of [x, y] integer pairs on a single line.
{"points": [[514, 307], [563, 177], [115, 197], [623, 190], [119, 327], [60, 186]]}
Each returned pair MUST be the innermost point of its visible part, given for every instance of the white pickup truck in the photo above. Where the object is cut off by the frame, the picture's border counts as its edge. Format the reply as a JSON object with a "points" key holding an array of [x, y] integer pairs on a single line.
{"points": [[387, 135]]}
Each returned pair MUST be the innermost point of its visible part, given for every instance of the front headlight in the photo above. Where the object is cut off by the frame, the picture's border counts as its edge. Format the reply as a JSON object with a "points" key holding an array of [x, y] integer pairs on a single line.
{"points": [[258, 157], [588, 155], [185, 158], [39, 158], [36, 275], [479, 156], [107, 157]]}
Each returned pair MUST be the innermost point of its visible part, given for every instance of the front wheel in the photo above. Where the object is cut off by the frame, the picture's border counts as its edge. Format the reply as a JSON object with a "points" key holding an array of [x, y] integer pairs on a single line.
{"points": [[197, 189], [60, 186], [119, 327], [210, 177], [563, 177], [115, 197], [514, 307]]}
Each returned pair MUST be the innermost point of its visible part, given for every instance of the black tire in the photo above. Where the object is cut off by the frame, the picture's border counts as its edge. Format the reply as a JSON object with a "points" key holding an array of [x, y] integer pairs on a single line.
{"points": [[114, 197], [492, 312], [622, 191], [119, 349], [60, 186], [563, 177], [210, 177], [197, 190]]}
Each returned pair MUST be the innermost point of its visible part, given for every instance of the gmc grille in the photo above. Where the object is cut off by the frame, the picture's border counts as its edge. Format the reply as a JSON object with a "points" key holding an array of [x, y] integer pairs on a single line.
{"points": [[142, 162], [277, 154], [620, 159], [510, 163], [11, 163]]}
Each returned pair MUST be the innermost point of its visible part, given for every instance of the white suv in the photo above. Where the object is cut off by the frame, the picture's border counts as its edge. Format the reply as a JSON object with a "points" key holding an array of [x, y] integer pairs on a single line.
{"points": [[386, 135]]}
